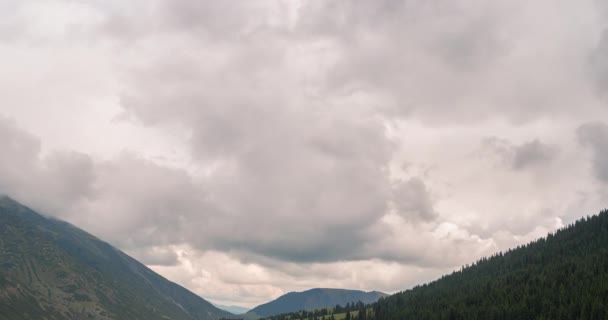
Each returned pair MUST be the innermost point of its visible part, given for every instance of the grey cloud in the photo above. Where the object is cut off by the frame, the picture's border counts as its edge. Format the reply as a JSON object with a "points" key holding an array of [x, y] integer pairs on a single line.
{"points": [[128, 201], [306, 174], [217, 18], [308, 193], [155, 256], [202, 19], [19, 148], [413, 201], [595, 136], [309, 189], [278, 113], [598, 64], [138, 203], [310, 175], [473, 45], [523, 156], [532, 153], [408, 51], [407, 34], [74, 167], [67, 178], [11, 25], [52, 183], [478, 55]]}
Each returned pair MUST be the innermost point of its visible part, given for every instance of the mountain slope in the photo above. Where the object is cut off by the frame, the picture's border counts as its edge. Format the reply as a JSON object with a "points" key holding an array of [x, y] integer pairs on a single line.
{"points": [[562, 276], [314, 299], [51, 270]]}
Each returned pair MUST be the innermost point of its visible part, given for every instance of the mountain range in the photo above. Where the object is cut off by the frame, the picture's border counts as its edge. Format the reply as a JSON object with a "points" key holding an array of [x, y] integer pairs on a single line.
{"points": [[313, 299], [51, 270]]}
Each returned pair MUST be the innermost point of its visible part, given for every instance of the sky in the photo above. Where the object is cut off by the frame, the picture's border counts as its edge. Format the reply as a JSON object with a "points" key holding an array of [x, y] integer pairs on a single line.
{"points": [[245, 149]]}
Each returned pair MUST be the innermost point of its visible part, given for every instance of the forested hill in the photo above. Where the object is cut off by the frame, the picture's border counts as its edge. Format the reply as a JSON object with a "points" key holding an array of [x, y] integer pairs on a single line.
{"points": [[562, 276]]}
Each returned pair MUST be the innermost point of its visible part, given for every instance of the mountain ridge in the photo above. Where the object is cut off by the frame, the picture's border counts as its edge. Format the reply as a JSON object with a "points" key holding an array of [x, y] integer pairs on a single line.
{"points": [[237, 310], [50, 269], [314, 298]]}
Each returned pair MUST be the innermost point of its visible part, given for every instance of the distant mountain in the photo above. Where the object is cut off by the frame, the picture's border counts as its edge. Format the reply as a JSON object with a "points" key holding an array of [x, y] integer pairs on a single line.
{"points": [[233, 309], [52, 270], [313, 299], [561, 276]]}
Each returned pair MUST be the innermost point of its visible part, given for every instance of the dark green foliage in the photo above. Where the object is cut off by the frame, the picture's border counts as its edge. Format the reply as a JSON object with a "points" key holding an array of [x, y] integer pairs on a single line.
{"points": [[351, 311], [563, 276], [53, 270]]}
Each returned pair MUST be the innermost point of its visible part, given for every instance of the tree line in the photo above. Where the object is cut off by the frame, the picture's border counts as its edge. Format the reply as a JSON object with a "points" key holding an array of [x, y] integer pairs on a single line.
{"points": [[351, 311], [562, 276]]}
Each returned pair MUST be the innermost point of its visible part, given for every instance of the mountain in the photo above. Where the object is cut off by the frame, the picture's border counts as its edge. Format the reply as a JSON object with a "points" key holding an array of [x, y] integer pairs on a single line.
{"points": [[561, 276], [233, 309], [313, 299], [52, 270]]}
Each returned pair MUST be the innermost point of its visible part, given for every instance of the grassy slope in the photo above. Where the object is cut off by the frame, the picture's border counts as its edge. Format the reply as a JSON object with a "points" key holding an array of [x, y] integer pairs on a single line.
{"points": [[52, 270]]}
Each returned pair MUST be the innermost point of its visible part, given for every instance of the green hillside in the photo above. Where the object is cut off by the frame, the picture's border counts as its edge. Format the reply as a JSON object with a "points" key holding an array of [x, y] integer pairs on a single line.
{"points": [[52, 270], [562, 276]]}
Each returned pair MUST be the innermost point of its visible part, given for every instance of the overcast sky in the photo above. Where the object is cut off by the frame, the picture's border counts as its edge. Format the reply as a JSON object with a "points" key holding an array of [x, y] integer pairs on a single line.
{"points": [[249, 148]]}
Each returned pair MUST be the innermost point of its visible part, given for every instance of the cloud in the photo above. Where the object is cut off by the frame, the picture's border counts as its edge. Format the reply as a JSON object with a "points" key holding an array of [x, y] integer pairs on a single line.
{"points": [[519, 157], [313, 203], [307, 177], [124, 201], [598, 64], [256, 147], [595, 136], [155, 256], [413, 201], [531, 153], [51, 183], [161, 203], [477, 54]]}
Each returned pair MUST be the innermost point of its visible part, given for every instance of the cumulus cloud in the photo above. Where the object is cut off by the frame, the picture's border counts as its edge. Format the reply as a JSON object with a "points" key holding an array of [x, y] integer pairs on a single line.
{"points": [[256, 147]]}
